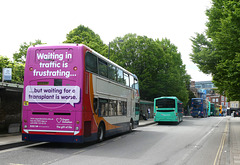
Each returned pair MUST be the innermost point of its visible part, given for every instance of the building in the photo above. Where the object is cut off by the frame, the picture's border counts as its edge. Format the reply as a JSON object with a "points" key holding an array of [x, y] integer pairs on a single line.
{"points": [[207, 86], [234, 104], [206, 89]]}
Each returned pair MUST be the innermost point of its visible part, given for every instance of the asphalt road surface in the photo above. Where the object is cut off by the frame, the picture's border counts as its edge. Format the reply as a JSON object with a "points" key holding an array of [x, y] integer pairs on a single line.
{"points": [[195, 141]]}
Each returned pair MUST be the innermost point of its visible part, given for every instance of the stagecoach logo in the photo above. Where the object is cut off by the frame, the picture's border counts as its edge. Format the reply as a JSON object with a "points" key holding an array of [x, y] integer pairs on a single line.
{"points": [[64, 121]]}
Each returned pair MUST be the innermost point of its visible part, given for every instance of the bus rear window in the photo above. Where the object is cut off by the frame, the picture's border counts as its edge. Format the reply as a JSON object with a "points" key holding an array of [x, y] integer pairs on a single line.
{"points": [[197, 101], [197, 106], [57, 82], [165, 103]]}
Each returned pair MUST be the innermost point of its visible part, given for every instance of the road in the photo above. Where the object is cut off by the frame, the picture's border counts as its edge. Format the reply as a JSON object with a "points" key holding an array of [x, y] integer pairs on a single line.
{"points": [[195, 141]]}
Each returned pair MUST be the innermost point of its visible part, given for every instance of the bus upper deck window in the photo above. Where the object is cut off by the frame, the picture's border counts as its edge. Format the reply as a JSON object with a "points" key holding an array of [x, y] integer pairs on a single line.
{"points": [[91, 62], [57, 82]]}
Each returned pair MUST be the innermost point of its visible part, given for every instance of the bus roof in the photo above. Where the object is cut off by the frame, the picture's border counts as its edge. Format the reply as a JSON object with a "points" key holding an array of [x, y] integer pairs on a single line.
{"points": [[168, 97], [197, 98]]}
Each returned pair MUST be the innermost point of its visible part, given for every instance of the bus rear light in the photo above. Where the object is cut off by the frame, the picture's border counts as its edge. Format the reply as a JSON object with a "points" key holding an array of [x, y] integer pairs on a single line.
{"points": [[77, 122], [25, 126], [74, 68], [77, 128], [25, 120], [31, 68]]}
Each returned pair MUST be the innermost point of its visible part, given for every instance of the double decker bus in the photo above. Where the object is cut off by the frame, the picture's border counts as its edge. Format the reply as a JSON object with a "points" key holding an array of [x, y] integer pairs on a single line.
{"points": [[199, 107], [168, 109], [73, 94]]}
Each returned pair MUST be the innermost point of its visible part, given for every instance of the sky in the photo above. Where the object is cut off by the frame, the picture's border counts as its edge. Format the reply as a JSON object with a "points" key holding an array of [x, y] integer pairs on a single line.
{"points": [[51, 20]]}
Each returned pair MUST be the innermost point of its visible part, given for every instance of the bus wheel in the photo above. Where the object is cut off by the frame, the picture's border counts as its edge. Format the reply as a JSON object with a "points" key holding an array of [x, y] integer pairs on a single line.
{"points": [[101, 132], [130, 126]]}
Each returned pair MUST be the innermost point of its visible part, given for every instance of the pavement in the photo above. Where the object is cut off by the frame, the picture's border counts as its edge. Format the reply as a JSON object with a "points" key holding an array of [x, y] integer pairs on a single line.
{"points": [[7, 140]]}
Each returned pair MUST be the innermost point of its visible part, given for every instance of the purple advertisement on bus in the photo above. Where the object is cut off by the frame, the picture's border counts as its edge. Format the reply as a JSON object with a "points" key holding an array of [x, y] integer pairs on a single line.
{"points": [[52, 88]]}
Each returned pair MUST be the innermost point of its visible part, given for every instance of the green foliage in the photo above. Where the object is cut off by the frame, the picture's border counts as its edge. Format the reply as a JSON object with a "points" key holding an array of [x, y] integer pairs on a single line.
{"points": [[21, 55], [203, 54], [18, 72], [176, 78], [219, 54], [84, 35], [19, 62], [157, 64]]}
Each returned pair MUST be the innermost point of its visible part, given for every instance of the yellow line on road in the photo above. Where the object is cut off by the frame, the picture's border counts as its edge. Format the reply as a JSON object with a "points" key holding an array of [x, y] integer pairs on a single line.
{"points": [[219, 153]]}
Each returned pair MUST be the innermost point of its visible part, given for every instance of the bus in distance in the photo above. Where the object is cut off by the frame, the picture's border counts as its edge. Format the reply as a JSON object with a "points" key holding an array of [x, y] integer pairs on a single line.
{"points": [[209, 108], [199, 107], [73, 94], [168, 109], [213, 113]]}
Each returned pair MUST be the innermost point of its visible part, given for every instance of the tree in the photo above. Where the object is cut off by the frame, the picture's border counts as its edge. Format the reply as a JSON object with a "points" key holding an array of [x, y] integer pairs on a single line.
{"points": [[84, 35], [21, 55], [18, 72], [220, 54], [157, 64], [176, 78], [140, 55], [203, 54]]}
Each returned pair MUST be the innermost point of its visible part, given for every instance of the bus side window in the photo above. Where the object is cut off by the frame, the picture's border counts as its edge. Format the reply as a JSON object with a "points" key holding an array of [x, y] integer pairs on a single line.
{"points": [[119, 108], [126, 79], [95, 105], [124, 108], [132, 81], [91, 62], [103, 107], [103, 69], [120, 76], [112, 108], [112, 72]]}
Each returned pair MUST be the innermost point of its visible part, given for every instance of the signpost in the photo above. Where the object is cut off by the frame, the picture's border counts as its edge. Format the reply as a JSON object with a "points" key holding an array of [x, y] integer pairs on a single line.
{"points": [[7, 74]]}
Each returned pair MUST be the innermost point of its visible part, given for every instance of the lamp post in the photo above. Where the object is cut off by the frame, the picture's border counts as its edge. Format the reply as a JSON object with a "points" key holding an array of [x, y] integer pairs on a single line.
{"points": [[109, 47], [109, 50]]}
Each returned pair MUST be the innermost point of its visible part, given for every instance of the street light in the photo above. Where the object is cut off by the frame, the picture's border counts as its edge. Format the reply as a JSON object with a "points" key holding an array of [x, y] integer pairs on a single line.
{"points": [[109, 47]]}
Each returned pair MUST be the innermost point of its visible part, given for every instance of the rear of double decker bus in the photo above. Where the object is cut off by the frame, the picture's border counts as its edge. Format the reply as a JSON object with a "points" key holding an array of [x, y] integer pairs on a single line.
{"points": [[197, 107], [52, 99], [166, 110]]}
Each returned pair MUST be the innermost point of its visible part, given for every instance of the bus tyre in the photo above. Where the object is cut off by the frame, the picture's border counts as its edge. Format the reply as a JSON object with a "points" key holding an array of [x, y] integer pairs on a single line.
{"points": [[101, 132], [130, 126]]}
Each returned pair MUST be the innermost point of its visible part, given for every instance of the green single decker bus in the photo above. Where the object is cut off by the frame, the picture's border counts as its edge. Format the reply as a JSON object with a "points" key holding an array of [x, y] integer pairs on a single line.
{"points": [[168, 109], [209, 109]]}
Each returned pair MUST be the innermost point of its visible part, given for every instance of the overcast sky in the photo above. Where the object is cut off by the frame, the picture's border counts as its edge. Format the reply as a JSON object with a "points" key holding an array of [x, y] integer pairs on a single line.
{"points": [[50, 21]]}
